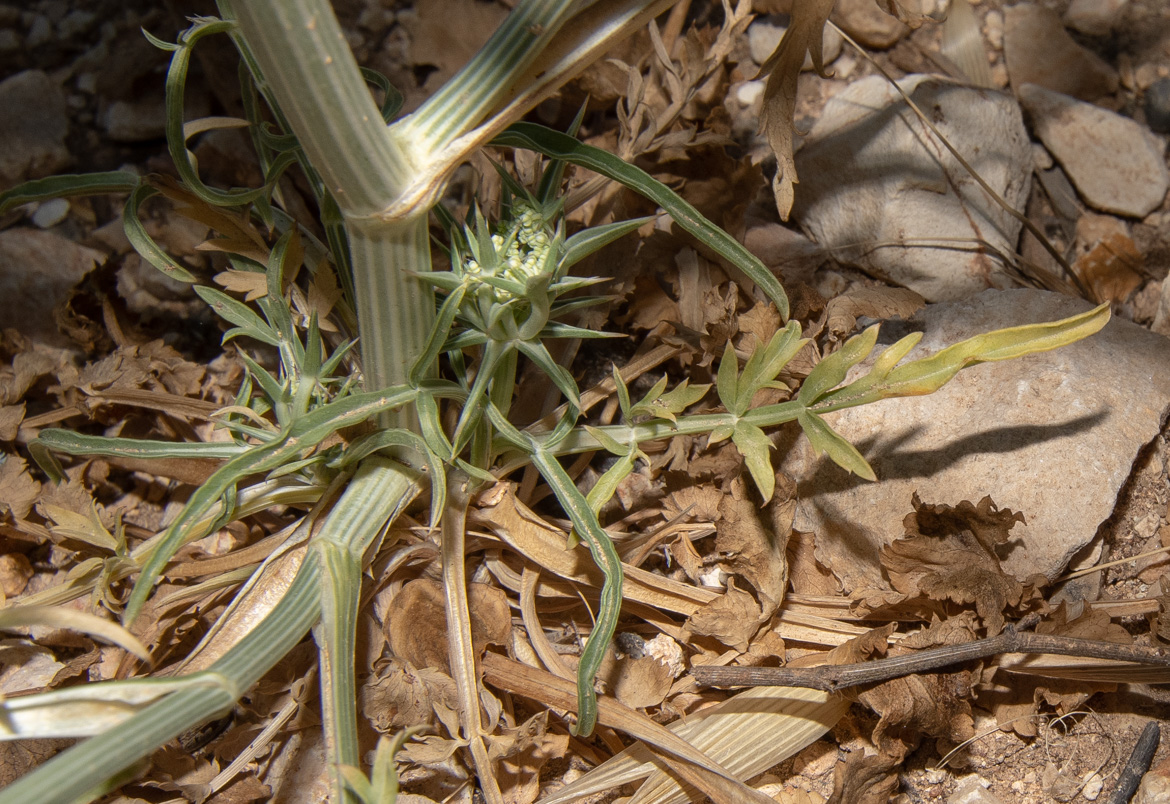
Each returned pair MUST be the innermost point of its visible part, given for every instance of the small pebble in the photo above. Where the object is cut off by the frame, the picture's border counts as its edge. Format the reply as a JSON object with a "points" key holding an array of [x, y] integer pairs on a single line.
{"points": [[40, 32], [1158, 106], [749, 92], [50, 213]]}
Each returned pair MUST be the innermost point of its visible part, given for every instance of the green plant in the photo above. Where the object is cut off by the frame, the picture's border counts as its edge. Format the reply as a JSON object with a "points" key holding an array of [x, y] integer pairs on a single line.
{"points": [[508, 286]]}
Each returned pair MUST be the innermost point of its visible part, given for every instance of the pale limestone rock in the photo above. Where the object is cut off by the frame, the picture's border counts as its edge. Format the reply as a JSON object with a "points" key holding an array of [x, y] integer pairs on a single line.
{"points": [[879, 191], [1051, 435], [1115, 163]]}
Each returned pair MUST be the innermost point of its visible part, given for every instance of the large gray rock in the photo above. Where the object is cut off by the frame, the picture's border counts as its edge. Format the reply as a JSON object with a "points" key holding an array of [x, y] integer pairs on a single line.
{"points": [[873, 177], [32, 128], [1051, 435], [1115, 162]]}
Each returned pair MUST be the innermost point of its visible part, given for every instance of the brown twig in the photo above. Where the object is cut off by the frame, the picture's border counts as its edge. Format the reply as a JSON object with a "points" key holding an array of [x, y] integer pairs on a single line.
{"points": [[1137, 765], [1014, 639]]}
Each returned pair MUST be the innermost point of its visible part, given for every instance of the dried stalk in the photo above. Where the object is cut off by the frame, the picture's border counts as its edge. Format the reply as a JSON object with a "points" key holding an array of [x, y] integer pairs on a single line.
{"points": [[1014, 639]]}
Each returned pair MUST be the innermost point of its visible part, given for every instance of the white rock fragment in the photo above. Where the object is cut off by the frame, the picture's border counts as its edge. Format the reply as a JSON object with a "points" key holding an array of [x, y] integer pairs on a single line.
{"points": [[879, 191], [1115, 163], [1052, 435], [666, 652], [50, 213]]}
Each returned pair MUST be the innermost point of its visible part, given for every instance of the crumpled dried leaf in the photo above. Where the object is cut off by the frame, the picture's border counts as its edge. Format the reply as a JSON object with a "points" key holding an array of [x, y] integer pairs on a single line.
{"points": [[807, 575], [27, 367], [839, 318], [935, 704], [416, 623], [752, 542], [18, 489], [805, 35], [641, 682], [732, 618], [403, 696], [949, 554], [521, 753], [1110, 268]]}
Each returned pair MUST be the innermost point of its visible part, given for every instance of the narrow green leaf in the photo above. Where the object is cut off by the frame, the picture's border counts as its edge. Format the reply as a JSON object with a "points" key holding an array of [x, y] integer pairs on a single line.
{"points": [[606, 557], [392, 99], [831, 371], [143, 243], [587, 241], [623, 393], [606, 485], [556, 145], [71, 443], [562, 379], [68, 186], [766, 362], [931, 373], [825, 439], [756, 447], [727, 380], [305, 433], [239, 314], [611, 445]]}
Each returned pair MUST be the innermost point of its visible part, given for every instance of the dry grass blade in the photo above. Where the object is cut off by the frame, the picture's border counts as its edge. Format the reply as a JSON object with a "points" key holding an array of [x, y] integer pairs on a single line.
{"points": [[83, 622], [804, 36], [746, 734], [704, 773], [544, 545]]}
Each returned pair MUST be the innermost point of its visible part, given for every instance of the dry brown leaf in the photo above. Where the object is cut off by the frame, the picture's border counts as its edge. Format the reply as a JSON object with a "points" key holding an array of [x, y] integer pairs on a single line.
{"points": [[808, 576], [521, 753], [841, 313], [641, 682], [238, 236], [403, 696], [27, 367], [733, 618], [323, 294], [948, 553], [752, 542], [10, 418], [501, 513], [758, 325], [416, 623], [805, 35], [1110, 268], [253, 284], [18, 489]]}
